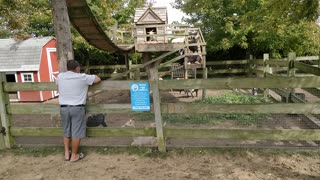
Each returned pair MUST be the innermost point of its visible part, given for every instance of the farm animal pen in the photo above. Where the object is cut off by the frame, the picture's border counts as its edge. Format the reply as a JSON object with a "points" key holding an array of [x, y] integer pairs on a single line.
{"points": [[170, 131], [245, 135]]}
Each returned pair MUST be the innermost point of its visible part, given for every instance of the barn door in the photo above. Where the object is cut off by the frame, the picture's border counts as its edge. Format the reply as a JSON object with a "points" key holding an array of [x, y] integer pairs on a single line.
{"points": [[53, 66]]}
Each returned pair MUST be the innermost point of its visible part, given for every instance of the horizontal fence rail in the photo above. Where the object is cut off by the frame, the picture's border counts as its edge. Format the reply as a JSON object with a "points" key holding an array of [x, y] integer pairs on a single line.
{"points": [[278, 83], [213, 83], [91, 132], [179, 108]]}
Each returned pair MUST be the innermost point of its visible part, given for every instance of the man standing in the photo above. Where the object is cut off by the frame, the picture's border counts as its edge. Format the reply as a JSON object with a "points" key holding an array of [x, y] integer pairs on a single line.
{"points": [[73, 89]]}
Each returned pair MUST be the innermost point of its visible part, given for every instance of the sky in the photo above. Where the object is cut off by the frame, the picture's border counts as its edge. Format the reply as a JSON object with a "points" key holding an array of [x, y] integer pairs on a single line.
{"points": [[173, 14]]}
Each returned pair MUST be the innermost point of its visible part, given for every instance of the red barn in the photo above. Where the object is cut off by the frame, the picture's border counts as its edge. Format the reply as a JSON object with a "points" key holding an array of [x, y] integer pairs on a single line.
{"points": [[31, 60]]}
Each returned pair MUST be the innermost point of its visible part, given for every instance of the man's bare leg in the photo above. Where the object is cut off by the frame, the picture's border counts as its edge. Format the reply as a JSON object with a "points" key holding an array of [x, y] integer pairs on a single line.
{"points": [[75, 146], [66, 142]]}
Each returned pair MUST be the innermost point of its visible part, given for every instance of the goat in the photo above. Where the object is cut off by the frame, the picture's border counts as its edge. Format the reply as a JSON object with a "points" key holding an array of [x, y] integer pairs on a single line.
{"points": [[96, 120], [151, 37]]}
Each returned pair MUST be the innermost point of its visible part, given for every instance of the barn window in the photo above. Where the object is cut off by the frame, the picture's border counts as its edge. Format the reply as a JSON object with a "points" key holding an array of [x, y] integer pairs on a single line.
{"points": [[27, 77]]}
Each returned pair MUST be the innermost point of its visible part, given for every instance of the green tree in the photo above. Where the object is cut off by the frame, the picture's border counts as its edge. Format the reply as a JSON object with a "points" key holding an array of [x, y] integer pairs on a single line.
{"points": [[256, 26], [21, 18]]}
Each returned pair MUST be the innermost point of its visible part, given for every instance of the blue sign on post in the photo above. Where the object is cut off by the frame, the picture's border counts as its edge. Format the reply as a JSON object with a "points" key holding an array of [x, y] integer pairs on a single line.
{"points": [[140, 99]]}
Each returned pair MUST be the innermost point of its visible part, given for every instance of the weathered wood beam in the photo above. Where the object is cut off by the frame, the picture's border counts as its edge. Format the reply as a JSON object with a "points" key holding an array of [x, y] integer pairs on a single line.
{"points": [[246, 134], [154, 78], [91, 132], [221, 134], [226, 71], [145, 64], [5, 123], [288, 108], [307, 68], [281, 63], [231, 83], [54, 108], [213, 83], [226, 62]]}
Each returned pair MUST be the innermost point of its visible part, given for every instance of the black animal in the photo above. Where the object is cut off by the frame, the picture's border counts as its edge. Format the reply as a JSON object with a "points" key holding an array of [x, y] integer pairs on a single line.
{"points": [[96, 120]]}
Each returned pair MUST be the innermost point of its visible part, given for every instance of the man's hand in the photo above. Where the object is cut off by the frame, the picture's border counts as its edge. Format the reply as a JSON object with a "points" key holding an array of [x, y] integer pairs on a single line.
{"points": [[97, 80]]}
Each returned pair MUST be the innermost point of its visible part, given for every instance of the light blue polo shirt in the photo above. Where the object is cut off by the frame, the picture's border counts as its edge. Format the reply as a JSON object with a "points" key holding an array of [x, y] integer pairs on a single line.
{"points": [[73, 87]]}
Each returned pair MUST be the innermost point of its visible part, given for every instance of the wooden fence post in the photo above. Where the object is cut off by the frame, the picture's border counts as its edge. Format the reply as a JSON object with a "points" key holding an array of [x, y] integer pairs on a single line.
{"points": [[250, 66], [205, 76], [319, 59], [4, 116], [128, 64], [154, 78], [291, 72], [266, 69], [205, 71], [137, 74]]}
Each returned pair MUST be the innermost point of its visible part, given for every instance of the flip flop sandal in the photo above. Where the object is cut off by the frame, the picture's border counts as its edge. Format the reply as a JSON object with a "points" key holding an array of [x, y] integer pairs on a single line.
{"points": [[81, 156], [69, 157]]}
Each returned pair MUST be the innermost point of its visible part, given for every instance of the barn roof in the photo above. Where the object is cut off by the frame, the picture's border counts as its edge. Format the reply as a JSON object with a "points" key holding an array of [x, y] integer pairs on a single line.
{"points": [[21, 55], [151, 15]]}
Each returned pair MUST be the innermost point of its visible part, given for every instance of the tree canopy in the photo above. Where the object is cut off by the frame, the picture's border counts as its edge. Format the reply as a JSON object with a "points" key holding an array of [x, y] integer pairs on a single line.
{"points": [[20, 19], [257, 26], [231, 26]]}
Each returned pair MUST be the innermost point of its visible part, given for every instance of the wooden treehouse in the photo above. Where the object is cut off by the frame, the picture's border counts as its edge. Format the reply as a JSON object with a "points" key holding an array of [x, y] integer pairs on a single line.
{"points": [[153, 34]]}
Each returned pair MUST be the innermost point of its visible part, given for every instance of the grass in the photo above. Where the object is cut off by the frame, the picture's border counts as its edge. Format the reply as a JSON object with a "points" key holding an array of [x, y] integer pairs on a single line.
{"points": [[46, 151], [153, 153], [227, 98]]}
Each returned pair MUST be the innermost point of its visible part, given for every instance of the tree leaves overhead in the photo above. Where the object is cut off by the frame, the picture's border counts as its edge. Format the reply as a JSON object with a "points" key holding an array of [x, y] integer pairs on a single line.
{"points": [[259, 26], [21, 18]]}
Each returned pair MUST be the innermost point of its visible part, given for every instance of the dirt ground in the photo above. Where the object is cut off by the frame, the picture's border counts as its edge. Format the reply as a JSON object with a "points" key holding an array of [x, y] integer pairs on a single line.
{"points": [[201, 165], [240, 164]]}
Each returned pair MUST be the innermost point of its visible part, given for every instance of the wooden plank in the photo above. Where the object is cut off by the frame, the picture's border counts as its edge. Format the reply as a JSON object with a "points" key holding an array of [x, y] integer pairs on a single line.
{"points": [[281, 92], [266, 70], [231, 83], [281, 63], [213, 83], [307, 68], [104, 85], [54, 109], [4, 116], [246, 134], [227, 62], [313, 91], [81, 6], [170, 61], [308, 58], [222, 134], [313, 119], [91, 132], [154, 78], [164, 47], [288, 108], [204, 76], [226, 71], [28, 86], [146, 63], [257, 61]]}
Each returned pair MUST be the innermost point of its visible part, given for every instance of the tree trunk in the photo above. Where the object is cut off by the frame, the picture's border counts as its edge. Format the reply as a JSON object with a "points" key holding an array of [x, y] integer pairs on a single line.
{"points": [[62, 32]]}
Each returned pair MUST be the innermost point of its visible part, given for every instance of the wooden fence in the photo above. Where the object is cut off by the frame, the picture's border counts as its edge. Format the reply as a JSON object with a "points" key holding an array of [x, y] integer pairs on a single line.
{"points": [[9, 132]]}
